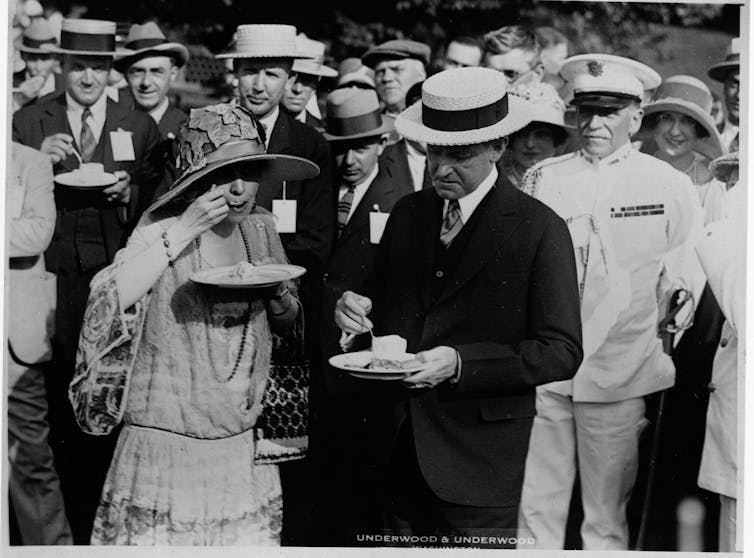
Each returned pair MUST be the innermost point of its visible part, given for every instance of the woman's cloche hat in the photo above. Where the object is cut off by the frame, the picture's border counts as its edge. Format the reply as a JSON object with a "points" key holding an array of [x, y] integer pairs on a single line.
{"points": [[220, 135], [464, 106], [86, 37], [691, 97], [148, 40], [354, 114], [546, 106]]}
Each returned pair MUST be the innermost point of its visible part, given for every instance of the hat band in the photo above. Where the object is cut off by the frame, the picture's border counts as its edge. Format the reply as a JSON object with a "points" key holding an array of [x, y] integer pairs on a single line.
{"points": [[464, 120], [353, 125], [586, 96], [96, 42], [688, 93], [139, 44], [36, 43]]}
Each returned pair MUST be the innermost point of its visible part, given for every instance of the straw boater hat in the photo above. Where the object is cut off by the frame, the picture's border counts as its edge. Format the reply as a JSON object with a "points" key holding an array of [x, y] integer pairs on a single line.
{"points": [[315, 66], [689, 96], [722, 166], [87, 37], [217, 136], [354, 114], [732, 61], [37, 34], [608, 81], [264, 41], [147, 40], [463, 106], [546, 106]]}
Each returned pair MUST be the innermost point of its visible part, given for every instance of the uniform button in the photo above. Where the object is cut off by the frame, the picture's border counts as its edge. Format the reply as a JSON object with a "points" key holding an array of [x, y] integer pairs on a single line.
{"points": [[439, 274], [723, 342]]}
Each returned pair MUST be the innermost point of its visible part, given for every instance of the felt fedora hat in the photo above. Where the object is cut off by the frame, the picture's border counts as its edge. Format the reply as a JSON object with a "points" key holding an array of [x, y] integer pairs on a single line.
{"points": [[218, 136], [464, 106], [87, 37], [314, 66], [38, 33], [732, 61], [264, 41], [148, 40], [354, 114], [691, 97], [397, 49], [608, 81]]}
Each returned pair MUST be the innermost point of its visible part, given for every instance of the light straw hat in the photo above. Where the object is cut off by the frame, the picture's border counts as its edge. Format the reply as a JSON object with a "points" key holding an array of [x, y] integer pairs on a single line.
{"points": [[316, 65], [38, 33], [732, 61], [87, 37], [264, 41], [464, 106], [722, 166]]}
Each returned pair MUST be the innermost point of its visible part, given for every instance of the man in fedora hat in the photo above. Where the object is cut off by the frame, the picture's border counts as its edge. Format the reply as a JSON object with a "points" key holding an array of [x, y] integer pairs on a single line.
{"points": [[366, 193], [479, 279], [263, 57], [150, 71], [42, 78], [728, 73], [91, 225], [632, 220], [307, 72]]}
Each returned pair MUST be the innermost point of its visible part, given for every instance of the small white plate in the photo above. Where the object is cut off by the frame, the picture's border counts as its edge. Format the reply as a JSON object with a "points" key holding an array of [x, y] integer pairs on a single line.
{"points": [[252, 277], [357, 364], [81, 181]]}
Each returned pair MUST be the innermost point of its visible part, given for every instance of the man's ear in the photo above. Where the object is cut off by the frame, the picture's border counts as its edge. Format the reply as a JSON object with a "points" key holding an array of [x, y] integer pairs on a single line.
{"points": [[173, 72], [499, 149], [636, 118], [383, 144]]}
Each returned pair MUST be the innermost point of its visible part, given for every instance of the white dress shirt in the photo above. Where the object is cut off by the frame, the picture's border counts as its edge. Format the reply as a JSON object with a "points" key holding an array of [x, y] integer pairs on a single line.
{"points": [[417, 161], [268, 123], [96, 120], [159, 111], [359, 190], [471, 201]]}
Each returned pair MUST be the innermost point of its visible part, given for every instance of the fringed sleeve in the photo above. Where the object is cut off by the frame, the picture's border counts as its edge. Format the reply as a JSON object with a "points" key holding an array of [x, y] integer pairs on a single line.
{"points": [[109, 340]]}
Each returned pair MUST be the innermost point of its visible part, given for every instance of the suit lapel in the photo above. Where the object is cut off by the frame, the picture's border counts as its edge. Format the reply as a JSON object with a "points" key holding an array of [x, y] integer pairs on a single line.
{"points": [[114, 116], [497, 219], [379, 192], [55, 121], [280, 139]]}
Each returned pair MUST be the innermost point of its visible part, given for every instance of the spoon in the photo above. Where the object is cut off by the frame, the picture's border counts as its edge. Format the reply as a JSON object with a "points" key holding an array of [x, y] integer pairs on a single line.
{"points": [[81, 161]]}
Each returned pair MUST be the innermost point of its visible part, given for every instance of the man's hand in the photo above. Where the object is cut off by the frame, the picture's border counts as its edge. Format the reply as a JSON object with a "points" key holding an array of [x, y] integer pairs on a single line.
{"points": [[57, 147], [441, 362], [29, 89], [120, 192], [351, 316]]}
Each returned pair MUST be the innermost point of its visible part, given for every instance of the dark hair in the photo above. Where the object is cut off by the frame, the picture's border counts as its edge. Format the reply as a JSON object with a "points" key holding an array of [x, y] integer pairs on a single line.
{"points": [[653, 119], [467, 40], [511, 37]]}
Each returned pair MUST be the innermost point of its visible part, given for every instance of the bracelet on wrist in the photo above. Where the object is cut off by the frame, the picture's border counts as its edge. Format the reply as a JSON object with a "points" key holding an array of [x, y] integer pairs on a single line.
{"points": [[168, 251]]}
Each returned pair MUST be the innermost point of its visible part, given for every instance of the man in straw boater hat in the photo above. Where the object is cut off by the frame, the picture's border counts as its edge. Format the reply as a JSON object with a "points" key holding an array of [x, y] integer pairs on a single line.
{"points": [[308, 72], [447, 445], [632, 219], [41, 78], [263, 56], [92, 223], [728, 73], [150, 70], [367, 191]]}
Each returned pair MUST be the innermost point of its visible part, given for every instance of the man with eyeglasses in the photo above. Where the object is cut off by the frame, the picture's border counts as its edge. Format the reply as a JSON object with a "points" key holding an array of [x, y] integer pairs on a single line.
{"points": [[633, 220], [514, 51]]}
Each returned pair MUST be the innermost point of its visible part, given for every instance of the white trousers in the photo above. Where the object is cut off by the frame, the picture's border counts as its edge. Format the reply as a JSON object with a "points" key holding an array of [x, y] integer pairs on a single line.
{"points": [[728, 522], [600, 441]]}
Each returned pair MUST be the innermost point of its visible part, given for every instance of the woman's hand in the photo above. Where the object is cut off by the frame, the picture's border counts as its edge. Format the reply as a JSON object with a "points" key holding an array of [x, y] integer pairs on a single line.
{"points": [[205, 212]]}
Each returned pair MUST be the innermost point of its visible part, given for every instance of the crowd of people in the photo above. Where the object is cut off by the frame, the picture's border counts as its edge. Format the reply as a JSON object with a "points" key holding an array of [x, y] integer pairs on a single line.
{"points": [[539, 228]]}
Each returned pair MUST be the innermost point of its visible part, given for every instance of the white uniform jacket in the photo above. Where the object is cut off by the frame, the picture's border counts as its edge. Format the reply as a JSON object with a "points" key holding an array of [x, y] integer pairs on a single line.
{"points": [[633, 221]]}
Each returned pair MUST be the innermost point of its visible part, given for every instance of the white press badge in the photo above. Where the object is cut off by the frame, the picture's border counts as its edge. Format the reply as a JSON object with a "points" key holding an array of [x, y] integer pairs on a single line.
{"points": [[377, 222], [285, 214], [123, 145]]}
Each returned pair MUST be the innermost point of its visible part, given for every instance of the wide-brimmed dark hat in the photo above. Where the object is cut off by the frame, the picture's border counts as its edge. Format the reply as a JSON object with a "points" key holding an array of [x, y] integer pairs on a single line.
{"points": [[217, 136], [732, 61], [148, 40], [354, 114], [87, 37], [37, 34]]}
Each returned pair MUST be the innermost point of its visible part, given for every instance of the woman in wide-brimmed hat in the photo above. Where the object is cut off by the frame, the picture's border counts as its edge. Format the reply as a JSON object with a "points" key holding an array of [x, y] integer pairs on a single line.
{"points": [[678, 128], [185, 365]]}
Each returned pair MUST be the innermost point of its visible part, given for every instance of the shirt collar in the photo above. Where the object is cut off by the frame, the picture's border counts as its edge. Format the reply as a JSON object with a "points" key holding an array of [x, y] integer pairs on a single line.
{"points": [[301, 116], [98, 109], [615, 157], [471, 201], [269, 122], [729, 127], [159, 111]]}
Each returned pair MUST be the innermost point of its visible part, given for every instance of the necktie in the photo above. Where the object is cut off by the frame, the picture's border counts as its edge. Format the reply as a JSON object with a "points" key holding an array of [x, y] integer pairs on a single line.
{"points": [[452, 223], [344, 208], [87, 143]]}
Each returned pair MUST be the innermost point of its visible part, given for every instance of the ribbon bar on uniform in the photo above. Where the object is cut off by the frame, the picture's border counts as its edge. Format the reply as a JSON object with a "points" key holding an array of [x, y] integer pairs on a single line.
{"points": [[463, 120]]}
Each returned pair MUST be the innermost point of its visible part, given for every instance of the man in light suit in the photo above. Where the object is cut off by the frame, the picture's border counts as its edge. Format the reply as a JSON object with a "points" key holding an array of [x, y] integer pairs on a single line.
{"points": [[480, 280], [91, 226], [33, 481]]}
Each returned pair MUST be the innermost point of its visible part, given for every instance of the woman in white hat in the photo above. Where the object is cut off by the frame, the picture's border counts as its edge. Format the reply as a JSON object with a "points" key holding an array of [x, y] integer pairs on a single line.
{"points": [[184, 365], [543, 138], [678, 129]]}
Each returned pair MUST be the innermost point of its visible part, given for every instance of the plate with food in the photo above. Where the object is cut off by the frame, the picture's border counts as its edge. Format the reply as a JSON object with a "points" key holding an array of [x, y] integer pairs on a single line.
{"points": [[246, 275], [387, 360], [88, 175]]}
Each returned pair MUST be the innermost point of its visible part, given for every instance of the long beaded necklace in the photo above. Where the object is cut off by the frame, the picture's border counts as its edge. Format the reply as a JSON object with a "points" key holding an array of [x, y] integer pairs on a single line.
{"points": [[247, 318]]}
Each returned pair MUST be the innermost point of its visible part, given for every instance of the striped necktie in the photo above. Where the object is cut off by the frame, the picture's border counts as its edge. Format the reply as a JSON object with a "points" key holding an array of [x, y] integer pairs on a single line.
{"points": [[87, 143], [344, 207], [452, 223]]}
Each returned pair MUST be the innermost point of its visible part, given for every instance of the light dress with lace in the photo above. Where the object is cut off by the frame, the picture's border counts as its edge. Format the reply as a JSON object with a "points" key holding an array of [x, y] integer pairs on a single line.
{"points": [[186, 368], [711, 191]]}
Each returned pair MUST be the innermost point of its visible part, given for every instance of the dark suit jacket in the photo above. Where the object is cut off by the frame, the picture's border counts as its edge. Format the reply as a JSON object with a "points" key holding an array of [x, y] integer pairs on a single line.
{"points": [[395, 156], [507, 300], [316, 123], [32, 124]]}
